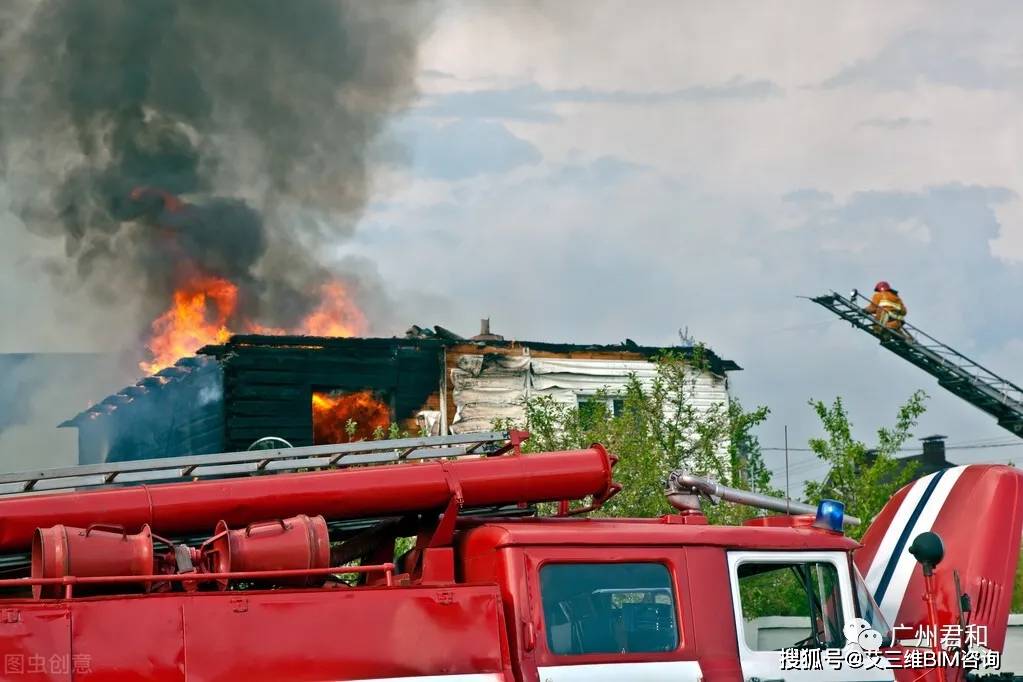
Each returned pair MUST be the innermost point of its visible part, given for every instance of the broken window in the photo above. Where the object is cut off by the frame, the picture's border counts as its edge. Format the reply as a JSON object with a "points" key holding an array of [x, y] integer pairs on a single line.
{"points": [[345, 417], [593, 407]]}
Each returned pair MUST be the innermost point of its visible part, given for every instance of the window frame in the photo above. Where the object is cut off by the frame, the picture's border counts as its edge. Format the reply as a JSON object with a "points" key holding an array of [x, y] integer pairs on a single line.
{"points": [[839, 560], [854, 577], [671, 559], [609, 401]]}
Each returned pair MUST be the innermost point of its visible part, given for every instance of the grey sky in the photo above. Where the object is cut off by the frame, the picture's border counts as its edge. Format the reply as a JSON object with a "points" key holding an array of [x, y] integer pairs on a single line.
{"points": [[590, 171]]}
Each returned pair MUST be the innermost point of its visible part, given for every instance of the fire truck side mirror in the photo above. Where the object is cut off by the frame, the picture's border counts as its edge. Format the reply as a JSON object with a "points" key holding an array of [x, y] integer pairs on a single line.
{"points": [[928, 550]]}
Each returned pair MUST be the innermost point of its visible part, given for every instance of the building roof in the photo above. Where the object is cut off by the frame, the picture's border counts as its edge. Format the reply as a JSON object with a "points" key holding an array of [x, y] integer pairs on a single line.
{"points": [[717, 364], [931, 460], [183, 370], [416, 338]]}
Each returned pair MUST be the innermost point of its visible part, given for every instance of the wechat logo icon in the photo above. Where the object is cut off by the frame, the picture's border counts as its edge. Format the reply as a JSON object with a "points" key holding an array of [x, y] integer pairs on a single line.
{"points": [[858, 633]]}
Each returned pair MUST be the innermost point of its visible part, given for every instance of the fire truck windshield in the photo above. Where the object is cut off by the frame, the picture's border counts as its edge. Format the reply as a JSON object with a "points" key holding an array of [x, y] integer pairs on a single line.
{"points": [[868, 609]]}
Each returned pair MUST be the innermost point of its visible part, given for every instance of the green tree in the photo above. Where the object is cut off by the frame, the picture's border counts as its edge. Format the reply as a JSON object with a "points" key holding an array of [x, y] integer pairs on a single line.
{"points": [[746, 470], [1017, 593], [861, 477]]}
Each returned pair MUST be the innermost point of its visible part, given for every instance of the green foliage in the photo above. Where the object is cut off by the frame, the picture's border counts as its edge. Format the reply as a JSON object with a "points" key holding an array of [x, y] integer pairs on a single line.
{"points": [[392, 432], [656, 428], [862, 478], [746, 470], [782, 592], [1017, 592]]}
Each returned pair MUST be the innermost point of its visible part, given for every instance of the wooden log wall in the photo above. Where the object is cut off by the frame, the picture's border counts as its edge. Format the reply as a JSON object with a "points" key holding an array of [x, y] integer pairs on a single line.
{"points": [[269, 381]]}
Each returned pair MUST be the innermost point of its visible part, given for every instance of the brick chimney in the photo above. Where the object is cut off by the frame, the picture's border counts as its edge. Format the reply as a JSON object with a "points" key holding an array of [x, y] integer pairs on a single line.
{"points": [[485, 334], [934, 452]]}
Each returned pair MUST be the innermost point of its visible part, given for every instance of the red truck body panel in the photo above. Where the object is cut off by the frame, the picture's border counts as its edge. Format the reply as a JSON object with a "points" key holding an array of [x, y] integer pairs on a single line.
{"points": [[978, 512], [294, 635], [644, 533], [511, 553]]}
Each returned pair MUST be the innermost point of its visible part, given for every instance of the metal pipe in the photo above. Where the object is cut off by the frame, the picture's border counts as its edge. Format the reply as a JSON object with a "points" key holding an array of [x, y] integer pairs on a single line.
{"points": [[683, 485], [174, 509]]}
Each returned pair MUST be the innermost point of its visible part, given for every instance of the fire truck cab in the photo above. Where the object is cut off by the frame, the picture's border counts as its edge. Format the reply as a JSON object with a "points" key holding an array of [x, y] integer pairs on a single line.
{"points": [[665, 599]]}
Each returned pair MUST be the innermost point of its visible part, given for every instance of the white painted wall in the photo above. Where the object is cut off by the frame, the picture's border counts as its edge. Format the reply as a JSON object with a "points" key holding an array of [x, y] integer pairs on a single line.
{"points": [[1012, 655], [489, 387]]}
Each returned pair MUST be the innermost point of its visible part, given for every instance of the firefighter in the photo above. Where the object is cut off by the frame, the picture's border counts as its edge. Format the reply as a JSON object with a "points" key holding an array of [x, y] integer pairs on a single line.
{"points": [[887, 307]]}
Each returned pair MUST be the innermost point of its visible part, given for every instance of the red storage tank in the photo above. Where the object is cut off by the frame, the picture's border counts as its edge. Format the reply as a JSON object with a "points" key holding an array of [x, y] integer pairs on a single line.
{"points": [[98, 550], [295, 543]]}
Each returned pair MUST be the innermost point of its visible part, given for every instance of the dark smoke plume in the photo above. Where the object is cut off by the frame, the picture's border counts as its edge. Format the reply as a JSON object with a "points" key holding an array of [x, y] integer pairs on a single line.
{"points": [[257, 113]]}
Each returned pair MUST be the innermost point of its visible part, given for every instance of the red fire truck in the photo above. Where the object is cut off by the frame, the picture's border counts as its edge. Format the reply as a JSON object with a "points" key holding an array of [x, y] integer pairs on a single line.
{"points": [[425, 559]]}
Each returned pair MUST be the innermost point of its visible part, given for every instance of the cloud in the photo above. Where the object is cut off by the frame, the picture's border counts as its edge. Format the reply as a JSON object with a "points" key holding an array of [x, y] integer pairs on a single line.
{"points": [[437, 74], [897, 123], [919, 57], [533, 103], [1008, 245], [463, 148], [807, 195], [933, 241]]}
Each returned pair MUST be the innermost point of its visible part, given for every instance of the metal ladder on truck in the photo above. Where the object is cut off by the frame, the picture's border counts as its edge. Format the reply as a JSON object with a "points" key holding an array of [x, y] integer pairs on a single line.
{"points": [[258, 462], [268, 462], [955, 372]]}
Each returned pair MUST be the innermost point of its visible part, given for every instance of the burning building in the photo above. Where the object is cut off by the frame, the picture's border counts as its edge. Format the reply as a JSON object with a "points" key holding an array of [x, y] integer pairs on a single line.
{"points": [[310, 390]]}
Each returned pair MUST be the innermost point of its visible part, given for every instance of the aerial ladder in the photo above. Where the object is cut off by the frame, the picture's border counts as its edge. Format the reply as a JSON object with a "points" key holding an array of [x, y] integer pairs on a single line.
{"points": [[955, 372]]}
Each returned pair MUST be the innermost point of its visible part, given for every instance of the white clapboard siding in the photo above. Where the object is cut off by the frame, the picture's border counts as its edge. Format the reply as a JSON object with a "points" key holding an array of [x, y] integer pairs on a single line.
{"points": [[490, 387]]}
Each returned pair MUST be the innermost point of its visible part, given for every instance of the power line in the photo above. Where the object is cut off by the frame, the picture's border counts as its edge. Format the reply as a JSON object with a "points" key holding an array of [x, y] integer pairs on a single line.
{"points": [[983, 446], [811, 466], [992, 439], [963, 446], [816, 466], [798, 327]]}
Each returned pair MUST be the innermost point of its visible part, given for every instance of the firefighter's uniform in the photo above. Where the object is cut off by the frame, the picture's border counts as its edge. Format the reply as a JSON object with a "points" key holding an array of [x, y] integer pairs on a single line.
{"points": [[888, 308]]}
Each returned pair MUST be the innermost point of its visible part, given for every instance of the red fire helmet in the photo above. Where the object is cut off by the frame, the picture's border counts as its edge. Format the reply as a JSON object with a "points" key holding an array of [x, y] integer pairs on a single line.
{"points": [[882, 286]]}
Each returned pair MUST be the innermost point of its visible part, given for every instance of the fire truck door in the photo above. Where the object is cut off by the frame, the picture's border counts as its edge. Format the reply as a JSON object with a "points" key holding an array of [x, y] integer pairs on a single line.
{"points": [[790, 609], [613, 616]]}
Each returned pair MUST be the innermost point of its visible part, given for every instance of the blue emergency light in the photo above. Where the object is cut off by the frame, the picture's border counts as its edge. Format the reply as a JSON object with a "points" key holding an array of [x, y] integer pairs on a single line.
{"points": [[830, 515]]}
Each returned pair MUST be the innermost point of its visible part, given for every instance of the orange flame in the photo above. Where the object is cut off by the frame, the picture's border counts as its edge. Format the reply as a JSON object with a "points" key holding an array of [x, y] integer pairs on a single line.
{"points": [[202, 314], [331, 414], [336, 315], [205, 306], [198, 316]]}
